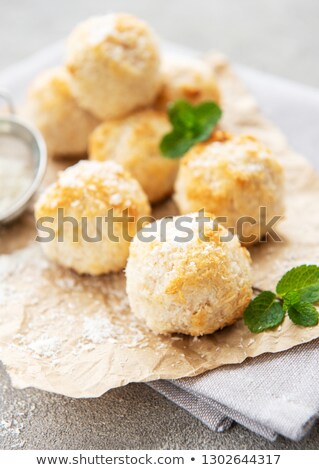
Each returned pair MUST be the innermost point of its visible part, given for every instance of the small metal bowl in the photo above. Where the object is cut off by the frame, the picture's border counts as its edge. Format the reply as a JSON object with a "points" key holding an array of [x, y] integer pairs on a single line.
{"points": [[14, 127]]}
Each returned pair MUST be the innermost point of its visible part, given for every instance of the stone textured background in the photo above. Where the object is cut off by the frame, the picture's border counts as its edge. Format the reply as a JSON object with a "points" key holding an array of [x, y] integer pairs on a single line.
{"points": [[276, 36]]}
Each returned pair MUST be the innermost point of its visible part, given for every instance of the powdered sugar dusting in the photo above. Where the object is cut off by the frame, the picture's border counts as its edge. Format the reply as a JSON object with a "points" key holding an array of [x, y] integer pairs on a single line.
{"points": [[98, 328], [122, 38], [45, 346], [16, 171], [79, 314]]}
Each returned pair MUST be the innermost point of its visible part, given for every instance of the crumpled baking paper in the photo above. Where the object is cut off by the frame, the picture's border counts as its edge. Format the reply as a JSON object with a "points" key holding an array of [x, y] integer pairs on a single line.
{"points": [[75, 335]]}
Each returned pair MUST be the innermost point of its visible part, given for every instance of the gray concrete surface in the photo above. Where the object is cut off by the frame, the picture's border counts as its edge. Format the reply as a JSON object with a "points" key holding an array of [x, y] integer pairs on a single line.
{"points": [[132, 417], [278, 36]]}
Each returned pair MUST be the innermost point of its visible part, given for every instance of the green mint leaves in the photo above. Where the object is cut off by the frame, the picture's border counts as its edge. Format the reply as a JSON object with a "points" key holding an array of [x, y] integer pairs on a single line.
{"points": [[303, 280], [303, 313], [191, 124], [296, 291], [263, 312]]}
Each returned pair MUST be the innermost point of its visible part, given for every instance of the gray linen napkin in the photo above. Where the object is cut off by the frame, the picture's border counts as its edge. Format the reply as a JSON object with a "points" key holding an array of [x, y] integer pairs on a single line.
{"points": [[271, 394]]}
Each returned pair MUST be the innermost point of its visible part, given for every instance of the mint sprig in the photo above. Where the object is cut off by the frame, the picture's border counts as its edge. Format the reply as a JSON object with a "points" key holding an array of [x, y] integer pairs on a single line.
{"points": [[303, 313], [303, 280], [263, 312], [296, 292], [191, 124]]}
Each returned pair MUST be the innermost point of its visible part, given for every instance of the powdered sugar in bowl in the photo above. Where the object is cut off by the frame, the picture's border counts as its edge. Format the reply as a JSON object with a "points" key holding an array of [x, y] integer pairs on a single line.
{"points": [[23, 159]]}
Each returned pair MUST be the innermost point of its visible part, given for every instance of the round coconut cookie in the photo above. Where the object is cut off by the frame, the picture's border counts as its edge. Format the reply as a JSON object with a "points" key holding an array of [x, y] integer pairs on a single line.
{"points": [[238, 179], [188, 284], [85, 234], [53, 109], [134, 142], [114, 63], [189, 79]]}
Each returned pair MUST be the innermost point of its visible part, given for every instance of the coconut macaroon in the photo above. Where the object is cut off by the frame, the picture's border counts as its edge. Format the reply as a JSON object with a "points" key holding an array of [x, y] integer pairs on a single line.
{"points": [[192, 80], [53, 109], [76, 209], [134, 142], [114, 63], [192, 284], [233, 179]]}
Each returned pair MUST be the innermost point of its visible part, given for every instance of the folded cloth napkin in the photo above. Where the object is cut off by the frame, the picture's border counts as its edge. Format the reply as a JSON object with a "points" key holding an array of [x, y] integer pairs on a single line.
{"points": [[272, 394]]}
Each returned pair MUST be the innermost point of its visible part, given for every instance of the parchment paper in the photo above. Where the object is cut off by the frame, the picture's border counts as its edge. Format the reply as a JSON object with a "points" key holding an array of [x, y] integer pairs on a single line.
{"points": [[75, 335]]}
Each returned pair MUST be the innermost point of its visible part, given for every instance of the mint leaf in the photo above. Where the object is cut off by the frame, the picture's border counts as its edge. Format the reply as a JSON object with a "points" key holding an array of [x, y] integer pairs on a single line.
{"points": [[303, 313], [181, 114], [263, 312], [191, 124], [310, 294], [302, 279], [291, 298], [207, 116], [174, 144]]}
